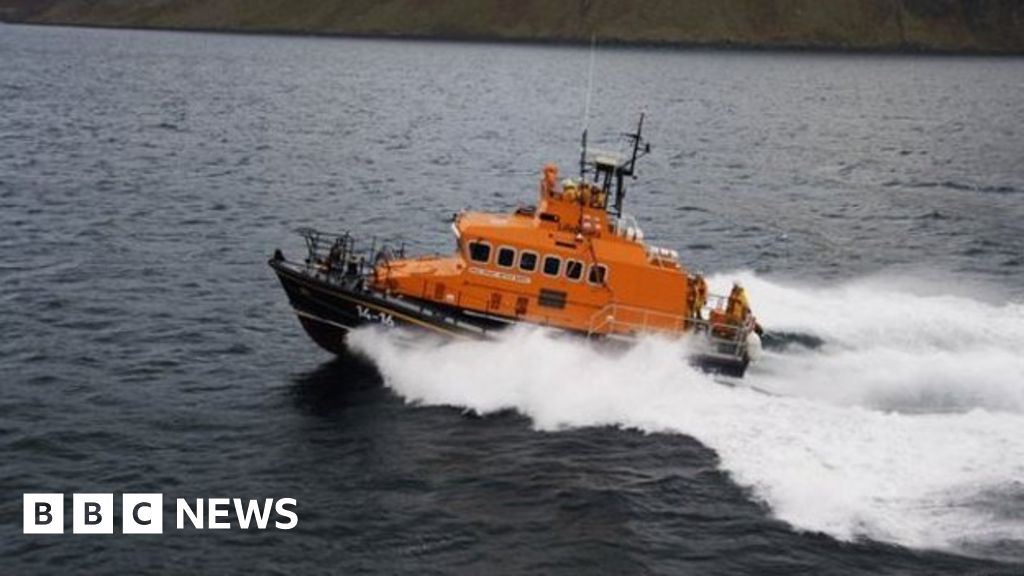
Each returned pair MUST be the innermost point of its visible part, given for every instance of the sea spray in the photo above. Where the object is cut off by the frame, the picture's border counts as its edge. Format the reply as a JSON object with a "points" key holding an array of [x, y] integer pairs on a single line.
{"points": [[891, 348], [827, 461]]}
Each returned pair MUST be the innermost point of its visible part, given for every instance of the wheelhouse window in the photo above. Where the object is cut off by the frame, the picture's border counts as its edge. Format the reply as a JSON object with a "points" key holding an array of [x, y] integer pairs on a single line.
{"points": [[506, 257], [528, 261], [552, 265], [598, 274], [574, 270], [480, 252]]}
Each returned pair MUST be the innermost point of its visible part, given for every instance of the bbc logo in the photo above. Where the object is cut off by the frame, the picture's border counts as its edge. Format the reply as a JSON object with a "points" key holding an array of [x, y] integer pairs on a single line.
{"points": [[93, 514], [144, 513]]}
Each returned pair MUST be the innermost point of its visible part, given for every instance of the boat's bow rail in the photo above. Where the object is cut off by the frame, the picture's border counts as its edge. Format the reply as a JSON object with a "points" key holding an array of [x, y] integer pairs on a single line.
{"points": [[332, 253]]}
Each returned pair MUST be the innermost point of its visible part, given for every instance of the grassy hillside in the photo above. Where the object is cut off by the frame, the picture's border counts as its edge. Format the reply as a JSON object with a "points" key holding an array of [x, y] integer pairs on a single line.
{"points": [[939, 25]]}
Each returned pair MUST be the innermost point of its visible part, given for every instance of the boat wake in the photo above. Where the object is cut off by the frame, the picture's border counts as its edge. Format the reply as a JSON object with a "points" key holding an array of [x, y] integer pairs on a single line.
{"points": [[892, 414]]}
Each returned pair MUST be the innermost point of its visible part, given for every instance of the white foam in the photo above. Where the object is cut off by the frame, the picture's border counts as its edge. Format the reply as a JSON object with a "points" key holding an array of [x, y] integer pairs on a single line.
{"points": [[915, 438], [888, 347]]}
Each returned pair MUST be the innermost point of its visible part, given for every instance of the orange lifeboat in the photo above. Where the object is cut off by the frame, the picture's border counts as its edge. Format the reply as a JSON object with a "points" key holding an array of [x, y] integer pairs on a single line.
{"points": [[574, 261]]}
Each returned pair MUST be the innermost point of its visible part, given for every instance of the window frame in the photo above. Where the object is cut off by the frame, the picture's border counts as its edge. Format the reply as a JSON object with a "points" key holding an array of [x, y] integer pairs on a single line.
{"points": [[544, 265], [590, 272], [469, 251], [583, 269], [515, 257], [519, 262]]}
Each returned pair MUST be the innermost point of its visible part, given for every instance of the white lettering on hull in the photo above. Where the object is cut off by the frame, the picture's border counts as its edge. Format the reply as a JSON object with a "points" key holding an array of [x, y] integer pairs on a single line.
{"points": [[506, 276], [376, 317]]}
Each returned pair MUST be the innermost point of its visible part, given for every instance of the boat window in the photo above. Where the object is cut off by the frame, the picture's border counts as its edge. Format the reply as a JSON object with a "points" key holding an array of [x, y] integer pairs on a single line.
{"points": [[506, 257], [573, 269], [552, 265], [479, 252], [528, 261], [598, 274]]}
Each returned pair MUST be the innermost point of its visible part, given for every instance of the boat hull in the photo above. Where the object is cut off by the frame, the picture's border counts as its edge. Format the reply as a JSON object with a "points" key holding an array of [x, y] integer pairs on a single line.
{"points": [[328, 307]]}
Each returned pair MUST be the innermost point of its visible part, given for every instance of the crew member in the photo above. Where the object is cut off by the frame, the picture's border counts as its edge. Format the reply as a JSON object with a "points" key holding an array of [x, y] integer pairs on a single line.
{"points": [[700, 296], [333, 257], [738, 306], [548, 181], [569, 190], [585, 191]]}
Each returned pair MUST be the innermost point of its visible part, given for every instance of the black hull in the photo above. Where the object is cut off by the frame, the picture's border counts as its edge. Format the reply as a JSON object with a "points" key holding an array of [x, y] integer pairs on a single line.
{"points": [[718, 365], [328, 307]]}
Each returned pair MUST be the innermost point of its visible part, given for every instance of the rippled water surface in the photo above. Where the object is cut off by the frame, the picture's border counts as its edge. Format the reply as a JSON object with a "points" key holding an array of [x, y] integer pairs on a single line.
{"points": [[873, 203]]}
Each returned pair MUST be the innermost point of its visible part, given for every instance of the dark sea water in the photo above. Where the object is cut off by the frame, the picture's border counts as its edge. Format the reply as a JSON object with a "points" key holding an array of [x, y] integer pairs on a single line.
{"points": [[874, 202]]}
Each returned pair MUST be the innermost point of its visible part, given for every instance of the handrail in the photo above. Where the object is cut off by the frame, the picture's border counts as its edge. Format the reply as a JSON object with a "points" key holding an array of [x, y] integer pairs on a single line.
{"points": [[714, 302], [610, 318], [332, 252], [727, 338]]}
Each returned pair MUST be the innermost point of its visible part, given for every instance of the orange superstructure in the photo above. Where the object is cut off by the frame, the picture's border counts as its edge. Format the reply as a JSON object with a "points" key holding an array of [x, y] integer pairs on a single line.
{"points": [[574, 262]]}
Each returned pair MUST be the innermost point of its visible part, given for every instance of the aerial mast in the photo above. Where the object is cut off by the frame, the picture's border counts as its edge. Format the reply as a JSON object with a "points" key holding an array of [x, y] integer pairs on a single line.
{"points": [[628, 170], [586, 108]]}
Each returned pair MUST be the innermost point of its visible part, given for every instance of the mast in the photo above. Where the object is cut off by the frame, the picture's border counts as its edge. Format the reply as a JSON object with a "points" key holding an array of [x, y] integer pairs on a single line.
{"points": [[630, 168], [583, 154], [636, 144], [610, 170], [586, 107]]}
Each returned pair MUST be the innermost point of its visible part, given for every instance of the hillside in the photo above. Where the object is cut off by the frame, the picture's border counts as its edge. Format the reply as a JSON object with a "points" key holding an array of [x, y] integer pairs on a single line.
{"points": [[906, 25]]}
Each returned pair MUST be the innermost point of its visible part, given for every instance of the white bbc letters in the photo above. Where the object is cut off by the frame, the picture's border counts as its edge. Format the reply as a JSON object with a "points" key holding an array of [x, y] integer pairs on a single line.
{"points": [[142, 513], [219, 509], [196, 517], [282, 510], [43, 514], [92, 514]]}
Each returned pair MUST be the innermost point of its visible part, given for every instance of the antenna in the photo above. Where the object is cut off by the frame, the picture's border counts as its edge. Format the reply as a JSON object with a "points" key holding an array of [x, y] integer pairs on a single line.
{"points": [[636, 139], [586, 107], [590, 82]]}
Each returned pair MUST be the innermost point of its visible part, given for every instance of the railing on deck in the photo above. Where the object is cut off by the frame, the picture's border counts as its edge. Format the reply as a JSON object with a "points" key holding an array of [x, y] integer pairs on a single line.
{"points": [[621, 318], [724, 338], [341, 253]]}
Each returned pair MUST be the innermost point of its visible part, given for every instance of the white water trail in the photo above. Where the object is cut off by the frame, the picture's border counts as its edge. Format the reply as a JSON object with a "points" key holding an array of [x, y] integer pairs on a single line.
{"points": [[891, 344], [905, 426]]}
